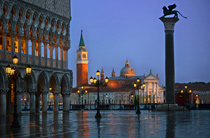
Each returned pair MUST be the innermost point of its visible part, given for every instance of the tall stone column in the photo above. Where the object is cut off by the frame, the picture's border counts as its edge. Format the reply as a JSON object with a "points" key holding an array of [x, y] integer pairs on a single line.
{"points": [[44, 102], [147, 88], [45, 52], [66, 102], [39, 51], [156, 93], [20, 46], [26, 46], [4, 33], [33, 50], [12, 34], [169, 58], [37, 103], [56, 94], [152, 95], [32, 102], [61, 55], [3, 101], [19, 102], [56, 55]]}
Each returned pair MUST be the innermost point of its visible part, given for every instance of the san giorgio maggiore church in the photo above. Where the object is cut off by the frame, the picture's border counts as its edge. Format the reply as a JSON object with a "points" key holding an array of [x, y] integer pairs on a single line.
{"points": [[119, 89]]}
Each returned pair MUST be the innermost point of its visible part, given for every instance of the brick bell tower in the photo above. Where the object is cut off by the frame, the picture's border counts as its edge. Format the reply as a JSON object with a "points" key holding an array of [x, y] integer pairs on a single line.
{"points": [[82, 64]]}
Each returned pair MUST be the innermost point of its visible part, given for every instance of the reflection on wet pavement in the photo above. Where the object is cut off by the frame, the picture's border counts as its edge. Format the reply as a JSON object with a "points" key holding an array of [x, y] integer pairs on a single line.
{"points": [[112, 124]]}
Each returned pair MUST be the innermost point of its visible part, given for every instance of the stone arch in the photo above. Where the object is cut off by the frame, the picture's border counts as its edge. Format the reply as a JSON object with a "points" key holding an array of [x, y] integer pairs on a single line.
{"points": [[6, 10], [28, 17], [22, 15], [54, 82], [14, 12], [64, 84], [42, 82]]}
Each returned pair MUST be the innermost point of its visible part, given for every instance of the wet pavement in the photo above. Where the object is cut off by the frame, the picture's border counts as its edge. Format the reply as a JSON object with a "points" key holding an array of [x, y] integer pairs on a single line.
{"points": [[113, 124]]}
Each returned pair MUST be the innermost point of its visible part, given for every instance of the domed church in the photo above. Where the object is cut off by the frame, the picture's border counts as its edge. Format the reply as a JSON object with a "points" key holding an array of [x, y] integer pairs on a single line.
{"points": [[119, 89]]}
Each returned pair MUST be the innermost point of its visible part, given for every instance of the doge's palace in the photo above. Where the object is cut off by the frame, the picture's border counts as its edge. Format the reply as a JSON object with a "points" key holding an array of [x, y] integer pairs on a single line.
{"points": [[38, 32]]}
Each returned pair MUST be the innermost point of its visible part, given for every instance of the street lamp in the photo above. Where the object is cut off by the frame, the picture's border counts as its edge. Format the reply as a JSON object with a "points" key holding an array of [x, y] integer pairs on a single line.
{"points": [[185, 93], [97, 82], [81, 93], [13, 74], [138, 86]]}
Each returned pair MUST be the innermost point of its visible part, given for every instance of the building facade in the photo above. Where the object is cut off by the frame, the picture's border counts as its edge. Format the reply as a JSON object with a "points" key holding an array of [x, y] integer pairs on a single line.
{"points": [[37, 31], [119, 89]]}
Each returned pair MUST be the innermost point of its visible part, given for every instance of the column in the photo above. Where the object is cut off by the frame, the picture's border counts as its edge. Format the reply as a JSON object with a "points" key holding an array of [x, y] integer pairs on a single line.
{"points": [[147, 91], [56, 55], [66, 102], [143, 95], [44, 102], [56, 94], [4, 37], [40, 51], [37, 103], [3, 101], [45, 52], [156, 94], [19, 102], [61, 55], [152, 95], [32, 102], [33, 50], [169, 24], [51, 54], [19, 47], [26, 45], [12, 34]]}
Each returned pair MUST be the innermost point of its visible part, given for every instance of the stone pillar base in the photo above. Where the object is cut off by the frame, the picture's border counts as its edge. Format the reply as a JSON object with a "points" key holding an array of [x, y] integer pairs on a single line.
{"points": [[169, 107]]}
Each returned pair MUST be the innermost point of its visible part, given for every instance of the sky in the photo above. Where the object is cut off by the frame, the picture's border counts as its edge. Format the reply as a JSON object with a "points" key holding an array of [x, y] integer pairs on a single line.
{"points": [[117, 30]]}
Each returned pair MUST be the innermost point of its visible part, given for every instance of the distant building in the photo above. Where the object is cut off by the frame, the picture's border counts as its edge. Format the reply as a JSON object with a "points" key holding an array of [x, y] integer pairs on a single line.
{"points": [[199, 94], [119, 89]]}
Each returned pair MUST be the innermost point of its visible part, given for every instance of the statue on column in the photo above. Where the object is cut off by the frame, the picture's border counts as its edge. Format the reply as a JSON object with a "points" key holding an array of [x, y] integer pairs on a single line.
{"points": [[169, 11]]}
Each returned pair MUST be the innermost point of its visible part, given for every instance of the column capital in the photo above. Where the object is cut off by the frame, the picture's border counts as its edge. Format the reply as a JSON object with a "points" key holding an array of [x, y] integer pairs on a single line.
{"points": [[33, 91], [56, 92], [4, 91], [5, 31], [66, 92], [169, 23]]}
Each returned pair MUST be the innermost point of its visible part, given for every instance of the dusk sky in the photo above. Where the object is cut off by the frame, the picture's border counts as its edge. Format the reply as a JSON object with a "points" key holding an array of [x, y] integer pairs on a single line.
{"points": [[116, 30]]}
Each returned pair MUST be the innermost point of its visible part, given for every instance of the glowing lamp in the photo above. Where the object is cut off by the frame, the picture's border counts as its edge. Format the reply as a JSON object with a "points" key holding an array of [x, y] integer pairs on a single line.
{"points": [[51, 95], [12, 72], [28, 70], [106, 79], [134, 85], [91, 80], [138, 80], [85, 91], [94, 80], [181, 91], [77, 91], [97, 73], [185, 87], [132, 95], [50, 89], [143, 85], [106, 95], [190, 91], [15, 60], [8, 69]]}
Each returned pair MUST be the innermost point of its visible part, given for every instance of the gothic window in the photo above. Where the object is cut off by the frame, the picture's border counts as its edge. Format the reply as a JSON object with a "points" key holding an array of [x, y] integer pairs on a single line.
{"points": [[84, 55]]}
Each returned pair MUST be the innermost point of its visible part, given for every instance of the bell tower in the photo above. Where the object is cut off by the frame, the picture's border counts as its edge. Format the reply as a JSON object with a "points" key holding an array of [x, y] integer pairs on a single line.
{"points": [[82, 64]]}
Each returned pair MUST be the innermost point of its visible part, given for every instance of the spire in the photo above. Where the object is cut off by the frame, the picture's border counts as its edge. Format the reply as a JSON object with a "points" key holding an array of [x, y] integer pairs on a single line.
{"points": [[127, 63], [150, 71], [81, 43], [102, 71], [113, 73]]}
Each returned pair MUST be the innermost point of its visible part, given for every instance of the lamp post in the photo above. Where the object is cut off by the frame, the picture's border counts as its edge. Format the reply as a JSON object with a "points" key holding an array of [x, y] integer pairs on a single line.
{"points": [[138, 86], [186, 92], [81, 93], [97, 82], [13, 74]]}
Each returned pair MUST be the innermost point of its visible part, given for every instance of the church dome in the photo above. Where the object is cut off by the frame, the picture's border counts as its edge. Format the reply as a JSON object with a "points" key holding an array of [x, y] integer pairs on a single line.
{"points": [[127, 71]]}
